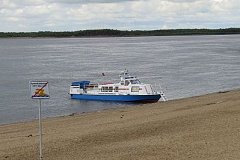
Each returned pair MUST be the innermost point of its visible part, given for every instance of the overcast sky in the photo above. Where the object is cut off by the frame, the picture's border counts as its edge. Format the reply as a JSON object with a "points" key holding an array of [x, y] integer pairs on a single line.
{"points": [[71, 15]]}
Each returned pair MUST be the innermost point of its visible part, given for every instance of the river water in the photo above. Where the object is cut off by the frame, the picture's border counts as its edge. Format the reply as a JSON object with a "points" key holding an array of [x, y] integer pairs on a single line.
{"points": [[183, 65]]}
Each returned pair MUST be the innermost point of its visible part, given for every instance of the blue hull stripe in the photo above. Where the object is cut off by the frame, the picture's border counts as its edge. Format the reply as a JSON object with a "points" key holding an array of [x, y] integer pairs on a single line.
{"points": [[123, 98]]}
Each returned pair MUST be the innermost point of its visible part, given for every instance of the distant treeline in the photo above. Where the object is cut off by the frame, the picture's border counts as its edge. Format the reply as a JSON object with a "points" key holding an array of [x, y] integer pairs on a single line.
{"points": [[120, 33]]}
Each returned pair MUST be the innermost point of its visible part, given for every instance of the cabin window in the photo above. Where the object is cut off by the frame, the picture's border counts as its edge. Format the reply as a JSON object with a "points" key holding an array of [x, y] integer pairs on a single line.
{"points": [[127, 83], [116, 89], [110, 89], [104, 89], [107, 89], [135, 89], [136, 81]]}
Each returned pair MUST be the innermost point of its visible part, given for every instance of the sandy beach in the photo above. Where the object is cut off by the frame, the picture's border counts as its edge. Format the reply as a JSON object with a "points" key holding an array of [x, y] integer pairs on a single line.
{"points": [[202, 127]]}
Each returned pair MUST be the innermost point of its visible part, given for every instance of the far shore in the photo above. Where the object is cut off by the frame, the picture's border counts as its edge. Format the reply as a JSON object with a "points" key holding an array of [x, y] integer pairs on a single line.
{"points": [[98, 33], [201, 127]]}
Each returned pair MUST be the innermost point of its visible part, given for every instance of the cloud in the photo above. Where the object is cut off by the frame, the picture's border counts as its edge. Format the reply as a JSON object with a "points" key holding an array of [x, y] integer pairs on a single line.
{"points": [[62, 15], [88, 1]]}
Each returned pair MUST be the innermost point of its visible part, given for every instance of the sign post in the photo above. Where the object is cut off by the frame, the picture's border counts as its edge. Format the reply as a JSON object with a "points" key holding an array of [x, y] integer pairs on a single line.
{"points": [[39, 90]]}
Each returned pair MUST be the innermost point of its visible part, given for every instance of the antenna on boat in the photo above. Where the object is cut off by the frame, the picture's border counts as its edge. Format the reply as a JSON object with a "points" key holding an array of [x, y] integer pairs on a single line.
{"points": [[125, 72]]}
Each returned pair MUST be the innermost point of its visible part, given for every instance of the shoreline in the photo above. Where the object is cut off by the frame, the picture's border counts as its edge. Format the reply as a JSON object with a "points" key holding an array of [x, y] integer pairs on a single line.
{"points": [[121, 33], [113, 108], [82, 37], [199, 127]]}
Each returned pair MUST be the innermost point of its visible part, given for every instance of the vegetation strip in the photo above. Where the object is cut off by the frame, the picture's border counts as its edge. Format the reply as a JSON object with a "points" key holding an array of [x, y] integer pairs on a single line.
{"points": [[121, 33]]}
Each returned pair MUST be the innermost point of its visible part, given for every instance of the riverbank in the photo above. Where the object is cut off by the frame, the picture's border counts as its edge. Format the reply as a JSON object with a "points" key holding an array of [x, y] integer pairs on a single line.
{"points": [[203, 127], [120, 33]]}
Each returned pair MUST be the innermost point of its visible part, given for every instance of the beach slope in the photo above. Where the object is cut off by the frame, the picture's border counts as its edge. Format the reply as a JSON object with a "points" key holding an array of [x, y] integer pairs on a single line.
{"points": [[202, 127]]}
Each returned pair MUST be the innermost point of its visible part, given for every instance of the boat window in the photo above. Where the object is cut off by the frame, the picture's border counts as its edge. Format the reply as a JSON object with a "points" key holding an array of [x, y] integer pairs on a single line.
{"points": [[127, 83], [104, 89], [107, 89], [116, 89], [110, 89], [135, 89], [136, 81]]}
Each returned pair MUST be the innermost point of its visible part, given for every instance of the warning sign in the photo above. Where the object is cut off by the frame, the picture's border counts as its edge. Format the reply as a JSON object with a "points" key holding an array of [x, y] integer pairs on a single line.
{"points": [[39, 89]]}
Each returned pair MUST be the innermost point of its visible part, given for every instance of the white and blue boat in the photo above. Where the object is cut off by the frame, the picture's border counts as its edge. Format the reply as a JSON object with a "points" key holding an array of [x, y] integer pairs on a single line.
{"points": [[129, 89]]}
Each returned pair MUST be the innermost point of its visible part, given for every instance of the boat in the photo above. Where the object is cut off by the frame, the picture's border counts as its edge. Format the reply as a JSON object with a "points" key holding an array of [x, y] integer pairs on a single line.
{"points": [[129, 89]]}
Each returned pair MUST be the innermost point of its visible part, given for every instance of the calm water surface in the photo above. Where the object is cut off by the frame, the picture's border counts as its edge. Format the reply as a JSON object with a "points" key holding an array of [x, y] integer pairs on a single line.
{"points": [[183, 65]]}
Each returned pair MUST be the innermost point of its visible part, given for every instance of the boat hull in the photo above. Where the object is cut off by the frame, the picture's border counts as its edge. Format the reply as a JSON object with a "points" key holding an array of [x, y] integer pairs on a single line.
{"points": [[118, 98]]}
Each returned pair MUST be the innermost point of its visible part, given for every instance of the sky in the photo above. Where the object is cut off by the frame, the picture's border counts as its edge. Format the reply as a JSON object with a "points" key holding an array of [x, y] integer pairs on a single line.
{"points": [[72, 15]]}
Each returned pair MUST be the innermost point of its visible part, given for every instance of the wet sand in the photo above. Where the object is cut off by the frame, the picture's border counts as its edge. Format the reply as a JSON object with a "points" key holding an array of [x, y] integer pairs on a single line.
{"points": [[203, 127]]}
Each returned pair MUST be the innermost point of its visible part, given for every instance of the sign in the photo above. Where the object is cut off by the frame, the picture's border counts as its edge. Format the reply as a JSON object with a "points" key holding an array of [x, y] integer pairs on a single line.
{"points": [[39, 89]]}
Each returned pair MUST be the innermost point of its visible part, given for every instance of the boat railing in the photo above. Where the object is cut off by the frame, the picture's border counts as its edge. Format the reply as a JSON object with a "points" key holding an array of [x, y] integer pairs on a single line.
{"points": [[161, 92]]}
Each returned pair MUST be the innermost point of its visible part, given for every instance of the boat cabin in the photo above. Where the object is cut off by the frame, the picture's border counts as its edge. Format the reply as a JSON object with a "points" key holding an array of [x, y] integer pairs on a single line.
{"points": [[128, 85]]}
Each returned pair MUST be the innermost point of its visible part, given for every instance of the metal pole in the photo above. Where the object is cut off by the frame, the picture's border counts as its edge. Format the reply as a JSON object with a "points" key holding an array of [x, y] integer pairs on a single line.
{"points": [[40, 131]]}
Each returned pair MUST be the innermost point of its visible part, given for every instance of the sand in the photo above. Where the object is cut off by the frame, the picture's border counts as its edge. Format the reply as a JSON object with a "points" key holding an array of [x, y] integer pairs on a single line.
{"points": [[203, 127]]}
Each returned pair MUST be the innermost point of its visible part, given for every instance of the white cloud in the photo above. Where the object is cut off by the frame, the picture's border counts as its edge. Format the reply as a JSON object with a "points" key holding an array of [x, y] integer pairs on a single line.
{"points": [[89, 1], [35, 15]]}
